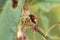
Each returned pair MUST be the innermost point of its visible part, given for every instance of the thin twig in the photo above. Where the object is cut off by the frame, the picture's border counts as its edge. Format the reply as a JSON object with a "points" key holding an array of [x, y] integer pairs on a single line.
{"points": [[34, 38], [52, 27]]}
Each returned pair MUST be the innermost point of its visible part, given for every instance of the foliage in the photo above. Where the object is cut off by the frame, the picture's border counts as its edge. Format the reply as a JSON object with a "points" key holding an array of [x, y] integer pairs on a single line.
{"points": [[9, 19], [48, 15]]}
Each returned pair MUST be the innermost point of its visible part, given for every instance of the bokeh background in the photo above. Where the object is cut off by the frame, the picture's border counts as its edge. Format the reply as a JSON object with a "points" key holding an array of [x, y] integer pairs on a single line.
{"points": [[47, 12]]}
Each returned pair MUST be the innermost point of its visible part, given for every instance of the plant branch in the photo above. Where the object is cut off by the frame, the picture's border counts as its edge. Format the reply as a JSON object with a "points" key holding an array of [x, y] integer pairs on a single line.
{"points": [[52, 27]]}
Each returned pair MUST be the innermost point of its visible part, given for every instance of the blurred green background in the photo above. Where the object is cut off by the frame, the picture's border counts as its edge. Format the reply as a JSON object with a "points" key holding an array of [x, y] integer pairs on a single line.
{"points": [[47, 12]]}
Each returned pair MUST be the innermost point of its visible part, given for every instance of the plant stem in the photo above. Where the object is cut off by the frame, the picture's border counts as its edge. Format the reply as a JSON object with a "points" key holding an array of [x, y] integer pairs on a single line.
{"points": [[46, 37]]}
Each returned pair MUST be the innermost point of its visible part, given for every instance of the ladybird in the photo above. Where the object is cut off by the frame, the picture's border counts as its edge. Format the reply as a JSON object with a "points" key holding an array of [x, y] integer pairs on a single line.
{"points": [[15, 3], [33, 18]]}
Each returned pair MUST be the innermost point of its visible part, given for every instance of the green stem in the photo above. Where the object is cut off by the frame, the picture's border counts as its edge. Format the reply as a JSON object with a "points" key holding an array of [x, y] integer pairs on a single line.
{"points": [[46, 37]]}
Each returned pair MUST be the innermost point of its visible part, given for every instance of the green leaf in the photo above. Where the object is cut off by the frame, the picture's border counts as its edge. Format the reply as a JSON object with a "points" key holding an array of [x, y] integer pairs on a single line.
{"points": [[2, 3], [9, 20]]}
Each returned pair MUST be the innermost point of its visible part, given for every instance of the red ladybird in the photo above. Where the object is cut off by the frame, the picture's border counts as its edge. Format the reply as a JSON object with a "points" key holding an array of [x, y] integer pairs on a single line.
{"points": [[33, 18], [15, 3]]}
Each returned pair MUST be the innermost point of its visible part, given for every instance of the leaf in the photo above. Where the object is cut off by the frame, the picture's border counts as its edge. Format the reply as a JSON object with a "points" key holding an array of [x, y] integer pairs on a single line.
{"points": [[2, 3], [9, 20]]}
